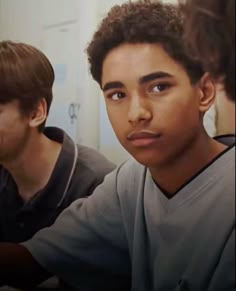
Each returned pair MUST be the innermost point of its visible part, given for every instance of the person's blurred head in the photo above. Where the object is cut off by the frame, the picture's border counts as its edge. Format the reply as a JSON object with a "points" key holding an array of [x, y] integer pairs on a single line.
{"points": [[210, 37]]}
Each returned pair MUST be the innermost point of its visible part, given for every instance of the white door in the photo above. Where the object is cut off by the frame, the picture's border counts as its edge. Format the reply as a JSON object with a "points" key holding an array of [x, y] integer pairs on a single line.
{"points": [[59, 45]]}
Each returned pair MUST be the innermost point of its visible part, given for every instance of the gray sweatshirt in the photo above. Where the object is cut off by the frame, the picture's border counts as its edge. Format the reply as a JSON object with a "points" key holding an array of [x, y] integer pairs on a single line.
{"points": [[129, 227]]}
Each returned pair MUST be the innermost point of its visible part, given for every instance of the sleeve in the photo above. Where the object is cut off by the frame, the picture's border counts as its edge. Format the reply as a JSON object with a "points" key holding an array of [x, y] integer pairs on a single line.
{"points": [[224, 276], [88, 235]]}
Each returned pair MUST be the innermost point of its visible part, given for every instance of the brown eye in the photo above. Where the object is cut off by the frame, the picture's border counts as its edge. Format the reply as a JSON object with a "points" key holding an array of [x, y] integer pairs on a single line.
{"points": [[160, 87], [117, 96]]}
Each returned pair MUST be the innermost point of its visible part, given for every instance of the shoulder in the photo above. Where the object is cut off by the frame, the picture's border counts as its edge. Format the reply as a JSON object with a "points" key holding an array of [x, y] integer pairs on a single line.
{"points": [[131, 177], [224, 164], [131, 170], [93, 162], [126, 178], [221, 186], [90, 171], [227, 162]]}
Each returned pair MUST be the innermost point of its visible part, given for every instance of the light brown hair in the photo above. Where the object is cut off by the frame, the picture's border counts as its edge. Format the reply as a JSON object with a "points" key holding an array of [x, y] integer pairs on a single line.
{"points": [[26, 75]]}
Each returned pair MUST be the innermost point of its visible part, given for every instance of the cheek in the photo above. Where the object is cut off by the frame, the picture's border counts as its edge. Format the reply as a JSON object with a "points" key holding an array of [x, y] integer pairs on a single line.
{"points": [[116, 123], [8, 121], [6, 128], [177, 116], [116, 116]]}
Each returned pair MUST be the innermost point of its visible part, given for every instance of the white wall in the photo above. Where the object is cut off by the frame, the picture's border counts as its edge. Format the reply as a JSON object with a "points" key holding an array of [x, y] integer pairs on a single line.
{"points": [[16, 20], [1, 21]]}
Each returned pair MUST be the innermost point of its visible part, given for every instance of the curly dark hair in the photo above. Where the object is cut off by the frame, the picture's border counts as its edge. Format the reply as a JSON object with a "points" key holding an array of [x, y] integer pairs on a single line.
{"points": [[141, 22], [26, 75], [210, 37]]}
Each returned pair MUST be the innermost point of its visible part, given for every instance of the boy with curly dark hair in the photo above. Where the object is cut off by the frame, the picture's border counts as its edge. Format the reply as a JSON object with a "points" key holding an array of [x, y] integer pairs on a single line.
{"points": [[166, 218]]}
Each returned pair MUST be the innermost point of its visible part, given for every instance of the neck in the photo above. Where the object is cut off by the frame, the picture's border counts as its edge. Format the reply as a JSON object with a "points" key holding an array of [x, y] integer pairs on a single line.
{"points": [[32, 168], [189, 162]]}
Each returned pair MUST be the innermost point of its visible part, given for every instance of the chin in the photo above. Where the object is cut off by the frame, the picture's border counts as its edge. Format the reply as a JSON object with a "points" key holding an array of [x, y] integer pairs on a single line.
{"points": [[150, 160]]}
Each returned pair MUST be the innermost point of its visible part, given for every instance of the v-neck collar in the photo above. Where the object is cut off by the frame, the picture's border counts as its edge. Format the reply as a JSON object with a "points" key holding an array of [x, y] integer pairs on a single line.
{"points": [[193, 187]]}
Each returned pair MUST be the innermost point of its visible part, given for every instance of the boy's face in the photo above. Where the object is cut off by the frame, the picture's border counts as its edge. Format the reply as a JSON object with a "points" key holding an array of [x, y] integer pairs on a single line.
{"points": [[14, 131], [151, 103]]}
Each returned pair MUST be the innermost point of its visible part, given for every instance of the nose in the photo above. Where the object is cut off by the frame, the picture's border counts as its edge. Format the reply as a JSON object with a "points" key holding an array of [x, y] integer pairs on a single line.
{"points": [[139, 111]]}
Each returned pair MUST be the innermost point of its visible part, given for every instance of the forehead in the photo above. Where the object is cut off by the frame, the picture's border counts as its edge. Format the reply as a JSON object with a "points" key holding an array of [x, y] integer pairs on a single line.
{"points": [[136, 60]]}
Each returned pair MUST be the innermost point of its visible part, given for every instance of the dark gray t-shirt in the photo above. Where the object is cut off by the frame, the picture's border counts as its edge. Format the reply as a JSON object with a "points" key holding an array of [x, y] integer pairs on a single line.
{"points": [[78, 171], [129, 226]]}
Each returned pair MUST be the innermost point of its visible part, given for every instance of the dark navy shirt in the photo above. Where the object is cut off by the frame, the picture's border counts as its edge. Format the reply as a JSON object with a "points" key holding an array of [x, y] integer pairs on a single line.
{"points": [[19, 221]]}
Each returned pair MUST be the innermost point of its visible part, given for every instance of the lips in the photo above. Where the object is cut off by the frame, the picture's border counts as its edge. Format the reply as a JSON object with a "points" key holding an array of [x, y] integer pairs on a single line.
{"points": [[143, 138]]}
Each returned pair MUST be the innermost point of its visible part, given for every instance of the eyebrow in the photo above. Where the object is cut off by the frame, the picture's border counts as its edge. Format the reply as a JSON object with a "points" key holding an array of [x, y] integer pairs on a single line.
{"points": [[142, 80], [154, 76], [112, 85]]}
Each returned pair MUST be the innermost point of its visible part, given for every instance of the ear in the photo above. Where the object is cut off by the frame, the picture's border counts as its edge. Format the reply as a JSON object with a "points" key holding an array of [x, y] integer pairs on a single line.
{"points": [[207, 93], [39, 114]]}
